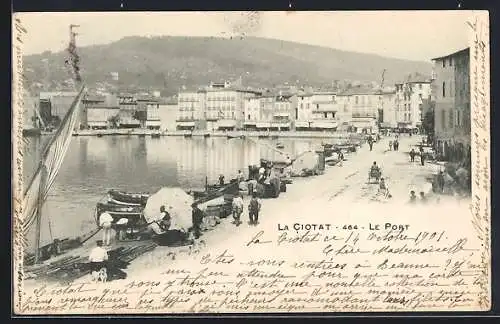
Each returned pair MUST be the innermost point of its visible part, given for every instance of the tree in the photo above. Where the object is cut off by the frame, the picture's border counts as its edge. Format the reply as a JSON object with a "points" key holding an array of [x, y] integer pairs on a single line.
{"points": [[428, 123]]}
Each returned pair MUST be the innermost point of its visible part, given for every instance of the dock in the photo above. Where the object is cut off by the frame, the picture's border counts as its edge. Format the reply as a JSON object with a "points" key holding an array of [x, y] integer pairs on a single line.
{"points": [[205, 134]]}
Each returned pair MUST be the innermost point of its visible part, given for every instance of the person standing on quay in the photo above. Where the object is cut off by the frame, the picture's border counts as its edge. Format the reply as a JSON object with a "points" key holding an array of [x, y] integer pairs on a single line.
{"points": [[253, 210], [98, 258], [237, 209], [105, 221], [422, 159], [412, 155], [370, 142]]}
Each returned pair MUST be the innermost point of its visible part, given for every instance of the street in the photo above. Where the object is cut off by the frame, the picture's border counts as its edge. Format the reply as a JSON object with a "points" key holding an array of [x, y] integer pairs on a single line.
{"points": [[338, 194]]}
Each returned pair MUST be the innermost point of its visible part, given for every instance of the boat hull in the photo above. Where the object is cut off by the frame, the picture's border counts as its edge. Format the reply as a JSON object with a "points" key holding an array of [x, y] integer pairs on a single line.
{"points": [[129, 198]]}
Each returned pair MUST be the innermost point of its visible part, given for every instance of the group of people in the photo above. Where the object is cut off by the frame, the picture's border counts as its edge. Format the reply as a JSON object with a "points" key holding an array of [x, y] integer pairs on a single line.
{"points": [[413, 197], [394, 145], [413, 153], [253, 209]]}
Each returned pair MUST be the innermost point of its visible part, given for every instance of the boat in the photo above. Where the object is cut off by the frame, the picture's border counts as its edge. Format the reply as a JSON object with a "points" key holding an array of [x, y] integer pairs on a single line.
{"points": [[280, 145], [188, 135], [264, 136], [128, 198], [206, 135], [155, 135], [214, 191], [32, 132], [134, 214]]}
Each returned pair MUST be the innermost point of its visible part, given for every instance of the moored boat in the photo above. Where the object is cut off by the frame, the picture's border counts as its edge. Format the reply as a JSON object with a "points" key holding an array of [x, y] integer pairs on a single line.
{"points": [[128, 198], [133, 214]]}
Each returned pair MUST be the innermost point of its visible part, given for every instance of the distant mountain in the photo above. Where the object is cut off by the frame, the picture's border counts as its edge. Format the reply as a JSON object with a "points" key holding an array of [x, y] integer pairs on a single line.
{"points": [[169, 63]]}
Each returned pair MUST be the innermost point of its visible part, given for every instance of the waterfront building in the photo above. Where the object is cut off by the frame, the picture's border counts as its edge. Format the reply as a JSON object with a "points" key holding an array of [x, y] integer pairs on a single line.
{"points": [[149, 108], [409, 96], [102, 117], [267, 101], [167, 110], [451, 90], [90, 101], [128, 111], [388, 115], [324, 111], [191, 112], [56, 105], [252, 113], [225, 105], [363, 104], [304, 107]]}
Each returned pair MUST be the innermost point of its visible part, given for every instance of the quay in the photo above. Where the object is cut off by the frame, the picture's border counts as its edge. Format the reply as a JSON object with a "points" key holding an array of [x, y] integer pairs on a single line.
{"points": [[336, 187], [201, 133]]}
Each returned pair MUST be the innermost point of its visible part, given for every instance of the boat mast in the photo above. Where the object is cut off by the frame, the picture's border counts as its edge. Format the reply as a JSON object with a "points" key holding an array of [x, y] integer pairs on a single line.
{"points": [[74, 61]]}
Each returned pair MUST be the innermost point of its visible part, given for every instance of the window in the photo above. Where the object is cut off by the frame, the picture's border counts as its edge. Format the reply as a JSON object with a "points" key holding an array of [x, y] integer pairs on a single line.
{"points": [[444, 89], [444, 63], [317, 106], [326, 115], [450, 118], [451, 62], [356, 100], [420, 86], [443, 119], [458, 120]]}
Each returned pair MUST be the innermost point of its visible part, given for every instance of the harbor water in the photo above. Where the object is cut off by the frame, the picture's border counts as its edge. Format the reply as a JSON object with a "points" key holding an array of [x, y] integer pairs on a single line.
{"points": [[93, 165]]}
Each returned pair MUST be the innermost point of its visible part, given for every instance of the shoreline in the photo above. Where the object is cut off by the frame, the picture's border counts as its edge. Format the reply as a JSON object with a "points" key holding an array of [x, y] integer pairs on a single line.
{"points": [[202, 133]]}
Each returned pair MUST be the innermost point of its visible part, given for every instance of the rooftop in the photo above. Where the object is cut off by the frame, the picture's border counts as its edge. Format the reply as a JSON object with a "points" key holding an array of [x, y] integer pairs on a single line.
{"points": [[416, 78], [460, 52], [359, 90]]}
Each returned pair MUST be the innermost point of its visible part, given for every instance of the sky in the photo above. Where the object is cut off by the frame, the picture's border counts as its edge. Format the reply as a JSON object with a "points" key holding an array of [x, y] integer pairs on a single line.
{"points": [[413, 35]]}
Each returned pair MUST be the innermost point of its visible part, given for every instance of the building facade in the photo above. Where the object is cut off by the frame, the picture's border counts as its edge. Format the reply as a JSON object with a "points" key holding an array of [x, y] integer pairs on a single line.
{"points": [[191, 109], [305, 108], [167, 110], [252, 113], [409, 100], [451, 88], [128, 111], [324, 111], [363, 105], [389, 116]]}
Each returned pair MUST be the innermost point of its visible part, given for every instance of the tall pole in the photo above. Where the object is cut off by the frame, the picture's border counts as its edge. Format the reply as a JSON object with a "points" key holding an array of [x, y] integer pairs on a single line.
{"points": [[43, 178]]}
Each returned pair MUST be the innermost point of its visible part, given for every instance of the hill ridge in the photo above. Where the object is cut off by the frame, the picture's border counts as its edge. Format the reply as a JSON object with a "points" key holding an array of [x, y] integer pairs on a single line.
{"points": [[170, 62]]}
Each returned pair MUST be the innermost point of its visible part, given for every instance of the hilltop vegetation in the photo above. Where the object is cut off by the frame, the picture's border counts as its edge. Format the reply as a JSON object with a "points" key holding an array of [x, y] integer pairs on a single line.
{"points": [[168, 63]]}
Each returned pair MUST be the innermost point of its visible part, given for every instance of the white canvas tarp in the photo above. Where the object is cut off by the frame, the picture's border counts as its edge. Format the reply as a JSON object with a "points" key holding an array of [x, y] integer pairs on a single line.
{"points": [[177, 203], [308, 160]]}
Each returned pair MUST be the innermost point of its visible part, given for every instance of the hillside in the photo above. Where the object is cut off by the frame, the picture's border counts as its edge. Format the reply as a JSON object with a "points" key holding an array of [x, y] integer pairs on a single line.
{"points": [[171, 62]]}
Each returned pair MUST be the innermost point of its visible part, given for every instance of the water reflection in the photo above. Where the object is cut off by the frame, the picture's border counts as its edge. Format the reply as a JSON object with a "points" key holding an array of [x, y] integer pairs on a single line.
{"points": [[93, 165]]}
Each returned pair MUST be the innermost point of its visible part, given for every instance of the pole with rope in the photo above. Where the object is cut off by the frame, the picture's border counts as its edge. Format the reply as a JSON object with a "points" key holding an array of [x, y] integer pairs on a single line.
{"points": [[73, 61]]}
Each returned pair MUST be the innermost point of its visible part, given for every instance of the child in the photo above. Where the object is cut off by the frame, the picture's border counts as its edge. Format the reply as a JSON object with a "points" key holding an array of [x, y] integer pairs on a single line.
{"points": [[237, 209], [253, 210]]}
